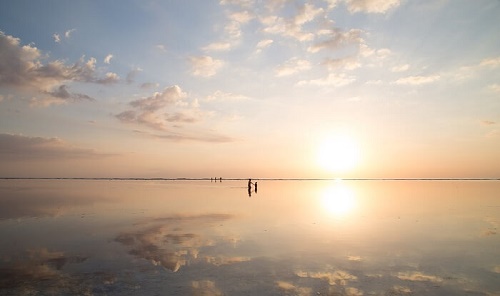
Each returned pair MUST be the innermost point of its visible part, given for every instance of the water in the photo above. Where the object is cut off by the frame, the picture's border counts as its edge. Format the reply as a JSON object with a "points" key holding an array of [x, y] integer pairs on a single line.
{"points": [[99, 237]]}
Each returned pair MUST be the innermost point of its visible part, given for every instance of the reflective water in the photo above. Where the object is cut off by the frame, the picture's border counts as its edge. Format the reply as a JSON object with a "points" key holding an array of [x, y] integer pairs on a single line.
{"points": [[97, 237]]}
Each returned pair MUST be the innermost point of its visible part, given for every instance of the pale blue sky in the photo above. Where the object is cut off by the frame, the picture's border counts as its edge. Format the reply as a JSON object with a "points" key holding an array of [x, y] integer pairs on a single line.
{"points": [[249, 88]]}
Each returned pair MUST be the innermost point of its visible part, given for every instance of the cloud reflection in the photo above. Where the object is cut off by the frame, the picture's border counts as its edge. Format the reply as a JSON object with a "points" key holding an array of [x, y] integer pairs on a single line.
{"points": [[174, 241]]}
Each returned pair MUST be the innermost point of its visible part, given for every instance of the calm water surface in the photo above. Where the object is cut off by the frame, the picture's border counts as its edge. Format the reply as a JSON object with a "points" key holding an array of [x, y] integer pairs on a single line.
{"points": [[96, 237]]}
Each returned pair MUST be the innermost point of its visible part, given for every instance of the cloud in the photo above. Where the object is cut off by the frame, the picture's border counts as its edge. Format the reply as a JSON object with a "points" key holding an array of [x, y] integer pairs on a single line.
{"points": [[149, 85], [418, 277], [241, 16], [264, 43], [19, 148], [292, 66], [371, 6], [21, 67], [338, 39], [494, 87], [57, 38], [333, 79], [349, 63], [487, 122], [224, 96], [156, 242], [161, 47], [132, 74], [293, 26], [68, 33], [490, 62], [205, 66], [400, 68], [418, 80], [218, 46], [207, 137], [59, 96], [338, 277], [162, 108], [110, 78], [107, 59], [23, 270]]}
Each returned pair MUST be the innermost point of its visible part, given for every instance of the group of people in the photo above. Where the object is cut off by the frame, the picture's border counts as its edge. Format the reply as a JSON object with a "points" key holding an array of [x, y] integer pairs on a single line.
{"points": [[250, 183]]}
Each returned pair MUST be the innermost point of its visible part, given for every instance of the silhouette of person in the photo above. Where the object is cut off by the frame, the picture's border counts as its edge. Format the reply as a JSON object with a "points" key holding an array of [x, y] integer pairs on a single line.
{"points": [[249, 191], [250, 184], [255, 184]]}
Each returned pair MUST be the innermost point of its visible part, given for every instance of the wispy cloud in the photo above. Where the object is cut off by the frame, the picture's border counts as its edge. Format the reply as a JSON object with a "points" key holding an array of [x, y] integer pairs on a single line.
{"points": [[333, 79], [205, 66], [263, 44], [337, 39], [371, 6], [19, 147], [225, 96], [107, 59], [292, 66], [68, 33], [57, 38], [418, 80]]}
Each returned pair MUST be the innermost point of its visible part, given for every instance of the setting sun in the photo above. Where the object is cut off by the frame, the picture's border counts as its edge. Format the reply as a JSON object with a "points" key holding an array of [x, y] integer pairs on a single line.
{"points": [[338, 153]]}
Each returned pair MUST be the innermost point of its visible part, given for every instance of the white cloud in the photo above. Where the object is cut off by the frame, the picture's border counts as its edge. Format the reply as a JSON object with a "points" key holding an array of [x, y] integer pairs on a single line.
{"points": [[400, 68], [306, 14], [349, 63], [292, 66], [57, 38], [333, 79], [225, 96], [205, 66], [68, 33], [218, 46], [491, 62], [292, 27], [418, 80], [161, 47], [107, 59], [241, 16], [263, 44], [338, 39], [371, 6], [494, 88], [110, 78]]}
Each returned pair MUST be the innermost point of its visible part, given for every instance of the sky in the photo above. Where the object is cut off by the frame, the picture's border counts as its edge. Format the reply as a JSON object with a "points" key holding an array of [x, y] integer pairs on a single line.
{"points": [[250, 88]]}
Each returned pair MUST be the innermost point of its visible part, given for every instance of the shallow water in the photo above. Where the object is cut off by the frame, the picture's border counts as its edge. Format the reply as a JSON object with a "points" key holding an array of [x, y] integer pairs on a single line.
{"points": [[99, 237]]}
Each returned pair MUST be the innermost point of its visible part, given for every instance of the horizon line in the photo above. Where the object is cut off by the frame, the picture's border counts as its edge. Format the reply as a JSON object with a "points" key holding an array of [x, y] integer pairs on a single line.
{"points": [[240, 179]]}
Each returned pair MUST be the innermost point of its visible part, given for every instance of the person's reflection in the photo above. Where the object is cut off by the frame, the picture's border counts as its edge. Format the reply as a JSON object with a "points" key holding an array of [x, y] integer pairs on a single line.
{"points": [[250, 187]]}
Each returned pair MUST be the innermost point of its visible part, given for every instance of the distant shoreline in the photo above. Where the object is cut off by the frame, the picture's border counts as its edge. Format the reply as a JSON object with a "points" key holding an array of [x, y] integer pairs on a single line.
{"points": [[242, 179]]}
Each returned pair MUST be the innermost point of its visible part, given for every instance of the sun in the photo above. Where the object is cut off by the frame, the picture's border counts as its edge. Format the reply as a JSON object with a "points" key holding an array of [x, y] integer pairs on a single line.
{"points": [[338, 153]]}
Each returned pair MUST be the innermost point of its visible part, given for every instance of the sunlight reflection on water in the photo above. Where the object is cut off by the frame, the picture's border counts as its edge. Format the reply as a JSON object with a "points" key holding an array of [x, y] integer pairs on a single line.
{"points": [[338, 199], [291, 237]]}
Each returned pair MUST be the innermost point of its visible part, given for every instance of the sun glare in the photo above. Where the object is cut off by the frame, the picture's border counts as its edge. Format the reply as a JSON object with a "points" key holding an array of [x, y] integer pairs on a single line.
{"points": [[338, 200], [339, 153]]}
